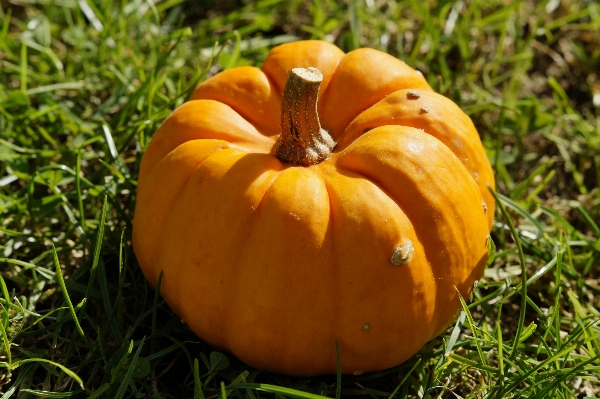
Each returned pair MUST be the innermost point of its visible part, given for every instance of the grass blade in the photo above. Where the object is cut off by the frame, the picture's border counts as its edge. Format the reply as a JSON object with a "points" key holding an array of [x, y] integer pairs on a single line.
{"points": [[522, 310], [129, 373], [198, 394], [98, 246], [61, 282], [294, 393], [404, 379], [60, 366]]}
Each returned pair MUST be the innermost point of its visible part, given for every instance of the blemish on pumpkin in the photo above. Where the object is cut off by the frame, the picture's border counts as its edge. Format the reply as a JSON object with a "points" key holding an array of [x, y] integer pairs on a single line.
{"points": [[357, 372], [403, 253], [200, 244], [413, 94], [485, 208], [366, 327], [425, 110], [199, 180]]}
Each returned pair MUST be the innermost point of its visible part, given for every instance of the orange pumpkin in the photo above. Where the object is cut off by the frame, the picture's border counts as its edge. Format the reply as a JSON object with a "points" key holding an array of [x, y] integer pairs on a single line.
{"points": [[282, 226]]}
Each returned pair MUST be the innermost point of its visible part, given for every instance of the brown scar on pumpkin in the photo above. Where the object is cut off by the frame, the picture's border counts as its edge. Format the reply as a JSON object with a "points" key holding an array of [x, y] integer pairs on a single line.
{"points": [[403, 253], [413, 94]]}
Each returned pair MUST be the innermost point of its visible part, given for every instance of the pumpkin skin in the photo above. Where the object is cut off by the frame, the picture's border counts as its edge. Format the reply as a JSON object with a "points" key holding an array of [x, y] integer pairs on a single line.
{"points": [[276, 262]]}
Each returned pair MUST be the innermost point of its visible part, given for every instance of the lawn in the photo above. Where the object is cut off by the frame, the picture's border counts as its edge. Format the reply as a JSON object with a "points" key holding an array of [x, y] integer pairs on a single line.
{"points": [[84, 85]]}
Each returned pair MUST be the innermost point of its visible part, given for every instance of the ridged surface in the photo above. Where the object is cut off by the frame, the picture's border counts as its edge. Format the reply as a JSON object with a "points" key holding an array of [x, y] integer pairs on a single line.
{"points": [[274, 262]]}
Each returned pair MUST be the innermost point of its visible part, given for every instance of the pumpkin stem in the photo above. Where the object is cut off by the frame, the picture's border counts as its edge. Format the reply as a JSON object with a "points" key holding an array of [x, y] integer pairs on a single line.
{"points": [[302, 140]]}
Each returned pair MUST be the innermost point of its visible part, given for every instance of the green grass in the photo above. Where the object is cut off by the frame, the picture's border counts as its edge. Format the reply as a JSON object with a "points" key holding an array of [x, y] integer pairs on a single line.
{"points": [[82, 89]]}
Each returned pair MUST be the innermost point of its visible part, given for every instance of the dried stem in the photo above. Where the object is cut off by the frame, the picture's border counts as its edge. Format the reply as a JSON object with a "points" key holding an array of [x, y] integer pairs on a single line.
{"points": [[302, 140]]}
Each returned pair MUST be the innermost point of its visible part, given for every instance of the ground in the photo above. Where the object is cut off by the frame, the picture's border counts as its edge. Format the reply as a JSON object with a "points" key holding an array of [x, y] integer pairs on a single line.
{"points": [[85, 84]]}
